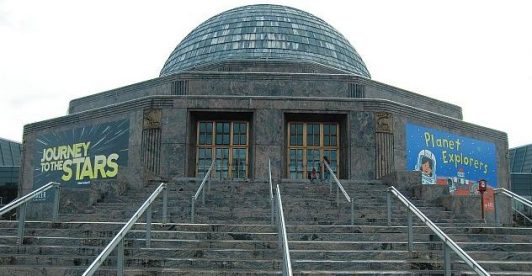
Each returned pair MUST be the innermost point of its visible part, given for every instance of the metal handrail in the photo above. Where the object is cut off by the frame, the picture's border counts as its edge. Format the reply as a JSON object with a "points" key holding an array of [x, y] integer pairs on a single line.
{"points": [[523, 215], [271, 191], [200, 189], [338, 184], [283, 238], [118, 240], [22, 202], [515, 197], [448, 242], [340, 187]]}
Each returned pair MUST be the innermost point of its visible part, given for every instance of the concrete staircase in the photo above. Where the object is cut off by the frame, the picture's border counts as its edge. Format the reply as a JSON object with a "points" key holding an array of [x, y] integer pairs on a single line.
{"points": [[69, 248], [233, 235], [327, 244]]}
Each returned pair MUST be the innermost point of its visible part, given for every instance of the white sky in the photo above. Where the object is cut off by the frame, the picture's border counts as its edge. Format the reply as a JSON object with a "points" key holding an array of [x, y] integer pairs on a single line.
{"points": [[476, 54]]}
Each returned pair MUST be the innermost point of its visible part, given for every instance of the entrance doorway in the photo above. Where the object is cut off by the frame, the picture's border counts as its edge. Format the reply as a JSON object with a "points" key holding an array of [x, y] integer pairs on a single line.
{"points": [[228, 143], [308, 144]]}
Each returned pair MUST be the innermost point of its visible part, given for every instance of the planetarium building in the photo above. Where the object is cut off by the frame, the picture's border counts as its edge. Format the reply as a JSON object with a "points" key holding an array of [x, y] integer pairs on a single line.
{"points": [[251, 85]]}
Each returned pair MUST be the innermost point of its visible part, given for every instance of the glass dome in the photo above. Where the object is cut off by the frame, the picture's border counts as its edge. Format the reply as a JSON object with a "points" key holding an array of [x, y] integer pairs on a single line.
{"points": [[265, 32]]}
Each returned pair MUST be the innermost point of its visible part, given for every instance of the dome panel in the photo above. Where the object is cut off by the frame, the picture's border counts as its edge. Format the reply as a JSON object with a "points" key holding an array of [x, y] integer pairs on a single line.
{"points": [[265, 32]]}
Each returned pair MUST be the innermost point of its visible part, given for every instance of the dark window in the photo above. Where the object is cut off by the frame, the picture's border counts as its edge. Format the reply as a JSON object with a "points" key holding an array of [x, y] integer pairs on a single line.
{"points": [[357, 90], [179, 87], [225, 68]]}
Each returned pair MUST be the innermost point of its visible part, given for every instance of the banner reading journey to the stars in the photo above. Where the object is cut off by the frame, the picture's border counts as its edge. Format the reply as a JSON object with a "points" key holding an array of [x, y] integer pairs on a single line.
{"points": [[77, 156]]}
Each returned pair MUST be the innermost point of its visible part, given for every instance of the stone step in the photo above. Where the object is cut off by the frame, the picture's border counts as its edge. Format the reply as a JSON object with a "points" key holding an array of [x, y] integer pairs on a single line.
{"points": [[106, 271], [313, 235], [396, 272], [401, 245], [115, 226], [196, 252], [489, 230], [402, 272], [142, 261], [263, 253], [311, 264], [37, 270], [402, 254], [474, 228], [495, 246], [247, 242], [345, 219], [160, 234], [156, 226], [425, 264], [178, 243]]}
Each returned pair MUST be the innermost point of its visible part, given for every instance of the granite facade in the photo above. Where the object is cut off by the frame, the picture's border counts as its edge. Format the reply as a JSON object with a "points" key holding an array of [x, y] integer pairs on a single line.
{"points": [[268, 122], [267, 101], [261, 82]]}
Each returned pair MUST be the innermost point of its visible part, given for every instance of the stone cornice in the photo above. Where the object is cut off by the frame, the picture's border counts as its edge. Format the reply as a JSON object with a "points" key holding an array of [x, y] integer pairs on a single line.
{"points": [[282, 103]]}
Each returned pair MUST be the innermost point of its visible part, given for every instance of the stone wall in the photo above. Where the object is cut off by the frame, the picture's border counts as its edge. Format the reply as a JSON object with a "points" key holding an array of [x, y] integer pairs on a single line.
{"points": [[409, 184], [269, 125], [379, 90], [242, 83], [360, 123]]}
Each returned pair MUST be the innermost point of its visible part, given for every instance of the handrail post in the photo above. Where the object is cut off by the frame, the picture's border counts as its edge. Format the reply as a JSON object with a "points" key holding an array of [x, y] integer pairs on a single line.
{"points": [[447, 260], [273, 210], [192, 210], [21, 222], [55, 210], [165, 204], [389, 204], [352, 211], [337, 196], [120, 258], [203, 197], [410, 232], [495, 208], [279, 230], [148, 227], [271, 189]]}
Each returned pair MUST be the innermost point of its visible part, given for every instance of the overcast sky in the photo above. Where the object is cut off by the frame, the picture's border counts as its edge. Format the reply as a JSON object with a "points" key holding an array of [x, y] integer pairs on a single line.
{"points": [[475, 54]]}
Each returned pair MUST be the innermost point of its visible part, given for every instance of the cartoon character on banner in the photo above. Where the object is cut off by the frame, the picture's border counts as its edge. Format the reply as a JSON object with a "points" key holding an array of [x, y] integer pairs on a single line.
{"points": [[426, 163]]}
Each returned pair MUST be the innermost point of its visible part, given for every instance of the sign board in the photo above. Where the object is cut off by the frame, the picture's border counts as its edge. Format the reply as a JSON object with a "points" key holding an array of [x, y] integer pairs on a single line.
{"points": [[77, 156], [446, 158]]}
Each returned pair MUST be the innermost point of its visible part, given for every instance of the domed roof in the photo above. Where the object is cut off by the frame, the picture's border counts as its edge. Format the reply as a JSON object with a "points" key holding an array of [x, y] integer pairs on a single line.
{"points": [[265, 32]]}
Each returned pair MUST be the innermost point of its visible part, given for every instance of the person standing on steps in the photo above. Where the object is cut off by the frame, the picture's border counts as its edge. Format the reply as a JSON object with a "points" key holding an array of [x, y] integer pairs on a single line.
{"points": [[313, 175]]}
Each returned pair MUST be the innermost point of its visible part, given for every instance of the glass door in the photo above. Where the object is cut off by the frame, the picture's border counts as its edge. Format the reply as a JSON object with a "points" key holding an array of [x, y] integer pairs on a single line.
{"points": [[226, 142], [308, 144]]}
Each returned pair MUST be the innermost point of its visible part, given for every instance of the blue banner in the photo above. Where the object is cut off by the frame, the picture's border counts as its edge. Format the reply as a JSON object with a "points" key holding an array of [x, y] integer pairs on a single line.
{"points": [[449, 159], [77, 156]]}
